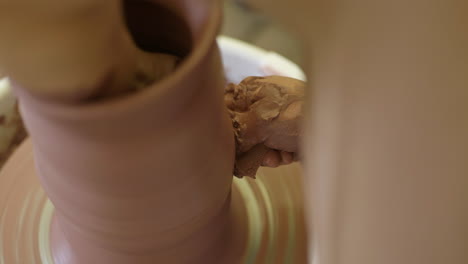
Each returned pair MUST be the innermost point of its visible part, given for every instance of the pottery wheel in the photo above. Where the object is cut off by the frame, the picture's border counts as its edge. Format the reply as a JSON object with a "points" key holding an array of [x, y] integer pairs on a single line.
{"points": [[273, 204], [268, 210]]}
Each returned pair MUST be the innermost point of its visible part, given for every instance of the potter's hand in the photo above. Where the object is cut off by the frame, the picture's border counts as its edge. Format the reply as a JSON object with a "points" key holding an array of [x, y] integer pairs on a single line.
{"points": [[74, 50], [266, 114]]}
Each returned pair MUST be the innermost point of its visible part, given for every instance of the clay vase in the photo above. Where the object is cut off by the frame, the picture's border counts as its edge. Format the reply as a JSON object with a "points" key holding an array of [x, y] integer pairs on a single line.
{"points": [[147, 177], [144, 178]]}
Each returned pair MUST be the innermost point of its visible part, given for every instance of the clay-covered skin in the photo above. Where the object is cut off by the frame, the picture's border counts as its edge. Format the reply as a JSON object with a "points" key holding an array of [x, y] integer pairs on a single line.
{"points": [[266, 113]]}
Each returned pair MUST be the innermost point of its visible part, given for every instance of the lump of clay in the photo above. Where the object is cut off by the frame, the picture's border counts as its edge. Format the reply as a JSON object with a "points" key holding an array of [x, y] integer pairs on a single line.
{"points": [[266, 114]]}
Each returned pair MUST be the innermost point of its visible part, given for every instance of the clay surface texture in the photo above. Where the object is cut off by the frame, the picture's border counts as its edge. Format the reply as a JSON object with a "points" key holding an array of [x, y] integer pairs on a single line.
{"points": [[266, 113]]}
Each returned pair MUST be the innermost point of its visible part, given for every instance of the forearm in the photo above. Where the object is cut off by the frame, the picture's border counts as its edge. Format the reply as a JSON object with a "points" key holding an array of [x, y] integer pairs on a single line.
{"points": [[63, 48]]}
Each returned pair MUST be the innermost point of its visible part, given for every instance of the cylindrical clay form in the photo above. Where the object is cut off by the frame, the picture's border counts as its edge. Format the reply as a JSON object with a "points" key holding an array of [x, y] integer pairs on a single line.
{"points": [[144, 178], [388, 135]]}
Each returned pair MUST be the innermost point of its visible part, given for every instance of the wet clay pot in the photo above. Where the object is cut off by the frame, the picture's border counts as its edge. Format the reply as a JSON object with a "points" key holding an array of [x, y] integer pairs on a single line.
{"points": [[147, 177], [134, 176]]}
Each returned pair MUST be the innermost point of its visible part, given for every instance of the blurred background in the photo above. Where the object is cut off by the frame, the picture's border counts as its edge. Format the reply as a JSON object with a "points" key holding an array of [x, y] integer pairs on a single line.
{"points": [[243, 22]]}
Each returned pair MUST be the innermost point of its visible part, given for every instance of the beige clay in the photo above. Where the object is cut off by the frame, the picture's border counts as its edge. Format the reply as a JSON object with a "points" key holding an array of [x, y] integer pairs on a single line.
{"points": [[266, 113]]}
